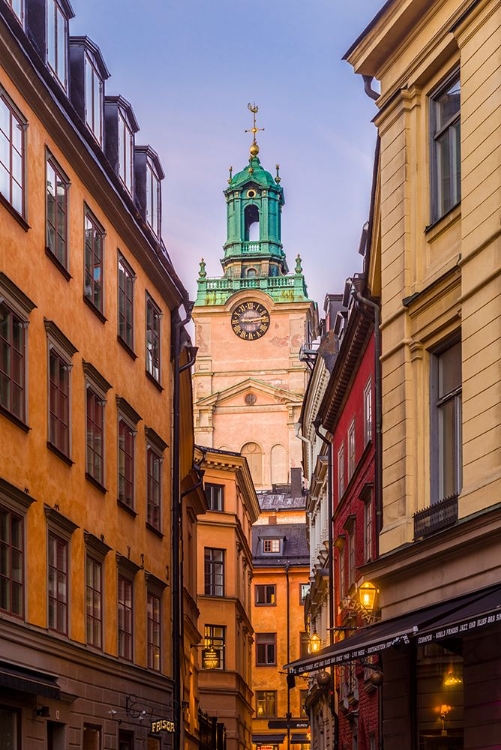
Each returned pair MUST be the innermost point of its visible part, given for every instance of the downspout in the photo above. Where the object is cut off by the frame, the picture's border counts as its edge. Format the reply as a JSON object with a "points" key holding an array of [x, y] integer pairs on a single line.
{"points": [[288, 647], [316, 424], [177, 570]]}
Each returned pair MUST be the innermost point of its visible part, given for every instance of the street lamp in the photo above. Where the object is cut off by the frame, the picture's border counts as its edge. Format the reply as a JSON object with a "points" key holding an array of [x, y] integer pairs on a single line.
{"points": [[314, 643], [367, 595]]}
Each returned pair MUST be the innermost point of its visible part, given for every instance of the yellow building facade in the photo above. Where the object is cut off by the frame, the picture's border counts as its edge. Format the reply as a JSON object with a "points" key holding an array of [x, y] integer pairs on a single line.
{"points": [[224, 591], [87, 291], [435, 268]]}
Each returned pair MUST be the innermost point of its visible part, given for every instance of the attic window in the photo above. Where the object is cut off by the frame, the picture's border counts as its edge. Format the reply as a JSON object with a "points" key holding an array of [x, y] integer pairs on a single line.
{"points": [[273, 546]]}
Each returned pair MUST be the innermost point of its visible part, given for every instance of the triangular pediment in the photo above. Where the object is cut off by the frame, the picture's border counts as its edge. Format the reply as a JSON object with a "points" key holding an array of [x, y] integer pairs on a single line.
{"points": [[264, 393]]}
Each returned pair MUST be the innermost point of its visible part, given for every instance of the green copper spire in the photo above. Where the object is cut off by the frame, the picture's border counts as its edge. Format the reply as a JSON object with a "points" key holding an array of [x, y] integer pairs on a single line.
{"points": [[253, 254]]}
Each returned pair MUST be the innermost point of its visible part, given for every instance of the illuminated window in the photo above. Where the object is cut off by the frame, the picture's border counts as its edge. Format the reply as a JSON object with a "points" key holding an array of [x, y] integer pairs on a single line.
{"points": [[265, 594], [266, 703]]}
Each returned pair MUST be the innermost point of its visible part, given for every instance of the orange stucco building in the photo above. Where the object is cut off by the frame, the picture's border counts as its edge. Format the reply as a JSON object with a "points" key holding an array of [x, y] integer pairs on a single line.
{"points": [[89, 300]]}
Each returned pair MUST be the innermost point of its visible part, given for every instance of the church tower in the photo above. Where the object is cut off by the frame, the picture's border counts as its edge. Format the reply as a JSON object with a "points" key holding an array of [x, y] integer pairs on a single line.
{"points": [[250, 325]]}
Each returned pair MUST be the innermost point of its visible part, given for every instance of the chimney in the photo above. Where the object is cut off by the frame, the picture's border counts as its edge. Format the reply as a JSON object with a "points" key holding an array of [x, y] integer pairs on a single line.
{"points": [[272, 521], [296, 483]]}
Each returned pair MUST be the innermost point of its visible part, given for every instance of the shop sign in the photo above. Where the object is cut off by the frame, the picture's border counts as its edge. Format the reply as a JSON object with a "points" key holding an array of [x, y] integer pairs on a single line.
{"points": [[162, 725], [211, 659]]}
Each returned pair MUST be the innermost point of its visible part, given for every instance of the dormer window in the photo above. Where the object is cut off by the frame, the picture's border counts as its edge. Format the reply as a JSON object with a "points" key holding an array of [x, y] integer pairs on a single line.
{"points": [[272, 546], [57, 40], [120, 127], [88, 74], [18, 8], [93, 99], [148, 173]]}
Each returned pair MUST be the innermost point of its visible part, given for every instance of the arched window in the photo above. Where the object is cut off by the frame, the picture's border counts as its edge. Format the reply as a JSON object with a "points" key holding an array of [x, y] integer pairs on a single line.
{"points": [[254, 456], [279, 472], [251, 273], [252, 223]]}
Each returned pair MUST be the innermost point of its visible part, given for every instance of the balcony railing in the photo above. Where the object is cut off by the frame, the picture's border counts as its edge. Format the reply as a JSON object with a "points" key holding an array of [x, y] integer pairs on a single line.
{"points": [[435, 518]]}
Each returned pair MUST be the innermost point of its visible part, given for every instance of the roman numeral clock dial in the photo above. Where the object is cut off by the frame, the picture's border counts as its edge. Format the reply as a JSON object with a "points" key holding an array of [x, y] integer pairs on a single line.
{"points": [[250, 320]]}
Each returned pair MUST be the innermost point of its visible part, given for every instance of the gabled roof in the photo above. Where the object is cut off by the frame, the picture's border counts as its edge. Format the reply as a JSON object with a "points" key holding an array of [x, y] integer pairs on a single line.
{"points": [[294, 550], [257, 386]]}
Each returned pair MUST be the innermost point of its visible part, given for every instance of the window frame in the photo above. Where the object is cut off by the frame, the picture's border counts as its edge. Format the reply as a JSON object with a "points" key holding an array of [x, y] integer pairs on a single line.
{"points": [[214, 571], [452, 127], [153, 197], [126, 462], [271, 545], [18, 306], [125, 616], [368, 412], [16, 120], [58, 583], [60, 348], [125, 291], [58, 249], [19, 10], [8, 555], [93, 594], [96, 385], [214, 494], [351, 449], [266, 649], [153, 340], [94, 259], [154, 631], [268, 698], [215, 639], [438, 404], [304, 590], [341, 479], [269, 595], [125, 150], [93, 97], [59, 70], [155, 448]]}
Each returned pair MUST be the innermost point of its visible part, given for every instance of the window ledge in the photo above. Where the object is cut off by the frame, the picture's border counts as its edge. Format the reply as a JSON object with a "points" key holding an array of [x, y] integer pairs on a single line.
{"points": [[97, 484], [127, 348], [60, 454], [17, 216], [13, 418], [434, 230], [94, 309], [154, 381], [126, 507], [155, 531], [58, 264]]}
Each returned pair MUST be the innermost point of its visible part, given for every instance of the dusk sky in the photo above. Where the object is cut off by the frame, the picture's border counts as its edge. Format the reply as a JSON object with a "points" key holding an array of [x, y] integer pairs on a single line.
{"points": [[190, 67]]}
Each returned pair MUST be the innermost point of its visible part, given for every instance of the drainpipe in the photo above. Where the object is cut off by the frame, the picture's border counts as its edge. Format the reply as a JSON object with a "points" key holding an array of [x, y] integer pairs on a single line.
{"points": [[316, 424], [378, 479], [177, 571], [288, 646], [297, 428]]}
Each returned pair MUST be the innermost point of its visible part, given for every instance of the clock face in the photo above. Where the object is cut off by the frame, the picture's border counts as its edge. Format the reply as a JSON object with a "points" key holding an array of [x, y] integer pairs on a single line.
{"points": [[250, 320]]}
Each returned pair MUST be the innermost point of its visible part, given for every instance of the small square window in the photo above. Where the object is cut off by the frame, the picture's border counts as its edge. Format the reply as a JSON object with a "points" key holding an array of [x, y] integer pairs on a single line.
{"points": [[304, 590], [265, 594], [273, 546], [215, 496]]}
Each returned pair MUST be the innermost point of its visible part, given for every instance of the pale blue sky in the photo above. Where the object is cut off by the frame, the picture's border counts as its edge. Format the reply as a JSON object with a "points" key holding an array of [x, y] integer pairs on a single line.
{"points": [[189, 68]]}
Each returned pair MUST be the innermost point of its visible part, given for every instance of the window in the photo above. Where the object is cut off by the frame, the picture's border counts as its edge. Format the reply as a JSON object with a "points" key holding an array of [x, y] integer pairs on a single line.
{"points": [[265, 594], [152, 197], [18, 8], [266, 703], [446, 423], [57, 41], [368, 412], [153, 618], [272, 545], [368, 530], [93, 99], [126, 436], [94, 601], [214, 639], [93, 273], [14, 310], [10, 727], [304, 590], [91, 737], [254, 455], [125, 150], [12, 150], [126, 279], [96, 387], [351, 557], [304, 644], [266, 649], [446, 150], [58, 584], [153, 316], [125, 740], [11, 562], [214, 571], [340, 472], [56, 212], [351, 449], [341, 570], [154, 468], [125, 593], [215, 496], [60, 353]]}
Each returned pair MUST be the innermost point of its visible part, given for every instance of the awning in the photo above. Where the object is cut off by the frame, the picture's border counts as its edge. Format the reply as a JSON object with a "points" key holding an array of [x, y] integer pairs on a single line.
{"points": [[399, 630], [268, 739], [25, 680], [300, 739], [480, 613]]}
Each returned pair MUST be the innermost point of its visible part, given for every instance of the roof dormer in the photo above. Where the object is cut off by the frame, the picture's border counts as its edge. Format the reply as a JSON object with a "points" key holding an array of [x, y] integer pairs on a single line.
{"points": [[88, 74], [47, 26], [148, 173], [120, 128]]}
